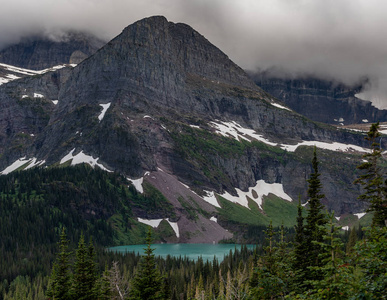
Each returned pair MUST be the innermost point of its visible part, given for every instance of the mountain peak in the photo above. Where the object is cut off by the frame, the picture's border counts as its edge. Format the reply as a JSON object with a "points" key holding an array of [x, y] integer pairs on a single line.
{"points": [[189, 50]]}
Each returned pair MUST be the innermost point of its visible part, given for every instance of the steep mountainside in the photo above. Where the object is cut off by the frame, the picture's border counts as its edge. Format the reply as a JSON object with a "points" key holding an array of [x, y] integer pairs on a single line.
{"points": [[163, 106], [321, 100], [39, 53]]}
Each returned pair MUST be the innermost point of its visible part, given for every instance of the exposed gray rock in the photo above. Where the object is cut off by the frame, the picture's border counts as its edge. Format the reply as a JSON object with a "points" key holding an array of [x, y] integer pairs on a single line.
{"points": [[321, 100], [38, 53]]}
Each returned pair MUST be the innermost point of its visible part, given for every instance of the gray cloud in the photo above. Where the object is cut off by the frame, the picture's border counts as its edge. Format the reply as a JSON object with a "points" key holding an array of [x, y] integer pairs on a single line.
{"points": [[342, 40]]}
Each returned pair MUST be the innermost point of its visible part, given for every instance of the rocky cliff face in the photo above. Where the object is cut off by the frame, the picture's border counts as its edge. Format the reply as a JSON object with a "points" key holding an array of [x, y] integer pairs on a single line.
{"points": [[321, 100], [153, 100], [38, 53]]}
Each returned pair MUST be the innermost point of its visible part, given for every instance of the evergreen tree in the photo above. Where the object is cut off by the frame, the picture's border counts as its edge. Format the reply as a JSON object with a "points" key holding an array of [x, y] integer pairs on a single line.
{"points": [[351, 240], [103, 286], [299, 263], [315, 221], [337, 277], [371, 254], [372, 180], [272, 272], [147, 284], [84, 271], [60, 280]]}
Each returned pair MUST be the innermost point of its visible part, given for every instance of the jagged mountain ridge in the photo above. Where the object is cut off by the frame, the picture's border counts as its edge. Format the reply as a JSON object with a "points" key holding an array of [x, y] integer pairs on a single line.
{"points": [[321, 100], [40, 52], [157, 80]]}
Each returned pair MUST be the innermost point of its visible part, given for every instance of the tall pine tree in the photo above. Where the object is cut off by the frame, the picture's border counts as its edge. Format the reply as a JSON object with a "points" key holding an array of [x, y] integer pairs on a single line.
{"points": [[147, 284], [372, 180], [315, 221], [60, 280], [299, 263], [84, 271]]}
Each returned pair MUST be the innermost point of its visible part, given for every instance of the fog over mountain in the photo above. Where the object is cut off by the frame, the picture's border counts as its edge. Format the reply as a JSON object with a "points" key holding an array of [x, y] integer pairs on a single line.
{"points": [[336, 40]]}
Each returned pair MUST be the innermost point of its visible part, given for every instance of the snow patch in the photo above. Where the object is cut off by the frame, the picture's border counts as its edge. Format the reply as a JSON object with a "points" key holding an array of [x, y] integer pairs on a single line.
{"points": [[337, 218], [19, 70], [105, 107], [37, 95], [27, 72], [256, 193], [138, 184], [383, 129], [346, 228], [55, 102], [175, 227], [12, 77], [32, 162], [146, 116], [214, 219], [280, 106], [195, 126], [156, 222], [236, 131], [211, 198], [328, 146], [81, 158], [359, 215], [364, 121]]}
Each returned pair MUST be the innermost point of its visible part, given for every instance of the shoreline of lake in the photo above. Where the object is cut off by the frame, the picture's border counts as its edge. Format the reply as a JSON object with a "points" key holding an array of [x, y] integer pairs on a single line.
{"points": [[191, 251]]}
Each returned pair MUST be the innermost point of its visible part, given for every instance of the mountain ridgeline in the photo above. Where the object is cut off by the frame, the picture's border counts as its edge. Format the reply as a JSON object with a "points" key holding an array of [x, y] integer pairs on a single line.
{"points": [[39, 52], [152, 101], [321, 100]]}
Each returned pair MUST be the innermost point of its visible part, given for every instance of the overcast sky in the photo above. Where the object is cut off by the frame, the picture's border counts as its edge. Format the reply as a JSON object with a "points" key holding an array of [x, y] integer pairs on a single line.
{"points": [[343, 40]]}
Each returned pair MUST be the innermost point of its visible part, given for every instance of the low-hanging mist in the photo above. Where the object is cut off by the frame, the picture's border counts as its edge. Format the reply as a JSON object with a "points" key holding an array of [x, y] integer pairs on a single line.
{"points": [[335, 40]]}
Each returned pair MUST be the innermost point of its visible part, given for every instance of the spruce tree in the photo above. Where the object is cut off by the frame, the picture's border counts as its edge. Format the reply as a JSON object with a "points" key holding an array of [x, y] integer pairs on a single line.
{"points": [[147, 284], [60, 279], [299, 265], [337, 277], [372, 180], [315, 221], [84, 271]]}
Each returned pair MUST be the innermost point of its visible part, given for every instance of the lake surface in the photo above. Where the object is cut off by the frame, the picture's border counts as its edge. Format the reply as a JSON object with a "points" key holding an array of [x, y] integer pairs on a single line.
{"points": [[191, 251]]}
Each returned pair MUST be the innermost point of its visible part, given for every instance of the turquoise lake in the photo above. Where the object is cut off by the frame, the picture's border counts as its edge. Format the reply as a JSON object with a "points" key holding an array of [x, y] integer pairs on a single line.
{"points": [[191, 251]]}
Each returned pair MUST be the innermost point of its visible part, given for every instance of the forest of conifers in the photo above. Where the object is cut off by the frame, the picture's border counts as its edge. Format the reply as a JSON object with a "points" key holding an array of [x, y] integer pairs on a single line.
{"points": [[55, 222]]}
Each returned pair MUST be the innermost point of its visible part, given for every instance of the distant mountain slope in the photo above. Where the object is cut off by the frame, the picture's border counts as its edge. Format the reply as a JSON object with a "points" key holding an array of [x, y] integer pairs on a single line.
{"points": [[321, 100], [164, 107], [37, 53]]}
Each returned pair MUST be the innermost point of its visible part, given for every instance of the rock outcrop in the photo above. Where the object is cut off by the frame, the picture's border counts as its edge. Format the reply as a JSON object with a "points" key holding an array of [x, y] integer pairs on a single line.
{"points": [[38, 53], [321, 100]]}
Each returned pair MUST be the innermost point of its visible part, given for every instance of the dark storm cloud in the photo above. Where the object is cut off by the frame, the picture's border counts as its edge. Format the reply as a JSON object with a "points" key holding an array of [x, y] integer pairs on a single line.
{"points": [[334, 39]]}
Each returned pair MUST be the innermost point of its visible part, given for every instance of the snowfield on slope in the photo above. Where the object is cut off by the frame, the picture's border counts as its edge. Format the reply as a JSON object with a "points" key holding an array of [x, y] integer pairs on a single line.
{"points": [[32, 162], [82, 158], [156, 222], [235, 130], [255, 193], [25, 72], [105, 107]]}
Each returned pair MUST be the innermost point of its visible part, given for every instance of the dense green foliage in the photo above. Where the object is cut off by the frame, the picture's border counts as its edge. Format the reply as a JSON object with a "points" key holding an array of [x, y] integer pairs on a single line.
{"points": [[372, 180], [36, 204]]}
